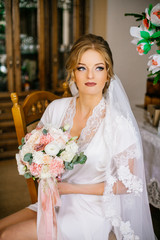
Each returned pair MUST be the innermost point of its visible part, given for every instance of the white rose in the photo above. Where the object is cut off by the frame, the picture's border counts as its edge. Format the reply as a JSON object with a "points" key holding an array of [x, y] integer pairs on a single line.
{"points": [[67, 156], [52, 149], [72, 147], [38, 157]]}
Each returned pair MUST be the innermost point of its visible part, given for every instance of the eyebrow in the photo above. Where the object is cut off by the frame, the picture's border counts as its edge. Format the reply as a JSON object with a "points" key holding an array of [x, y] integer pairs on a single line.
{"points": [[95, 64]]}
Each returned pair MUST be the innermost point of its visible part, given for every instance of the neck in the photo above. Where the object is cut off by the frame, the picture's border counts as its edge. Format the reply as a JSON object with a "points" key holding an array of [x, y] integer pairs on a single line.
{"points": [[86, 104]]}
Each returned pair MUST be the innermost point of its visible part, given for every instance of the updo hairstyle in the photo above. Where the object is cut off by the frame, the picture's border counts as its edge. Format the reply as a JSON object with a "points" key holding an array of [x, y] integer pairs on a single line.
{"points": [[84, 43]]}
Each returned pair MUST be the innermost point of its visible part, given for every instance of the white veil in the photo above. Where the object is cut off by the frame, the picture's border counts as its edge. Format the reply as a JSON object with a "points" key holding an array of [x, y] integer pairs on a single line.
{"points": [[127, 207]]}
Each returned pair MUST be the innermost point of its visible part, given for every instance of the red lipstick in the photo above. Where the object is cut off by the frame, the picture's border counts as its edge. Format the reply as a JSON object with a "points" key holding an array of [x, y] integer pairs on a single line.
{"points": [[90, 84]]}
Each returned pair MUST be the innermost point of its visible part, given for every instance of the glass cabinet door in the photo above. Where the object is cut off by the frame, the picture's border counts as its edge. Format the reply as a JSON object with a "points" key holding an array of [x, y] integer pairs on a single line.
{"points": [[65, 35], [25, 45], [28, 45], [69, 21]]}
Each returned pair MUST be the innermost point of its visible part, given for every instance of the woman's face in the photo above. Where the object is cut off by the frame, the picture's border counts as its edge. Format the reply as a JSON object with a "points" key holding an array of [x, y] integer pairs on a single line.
{"points": [[91, 73]]}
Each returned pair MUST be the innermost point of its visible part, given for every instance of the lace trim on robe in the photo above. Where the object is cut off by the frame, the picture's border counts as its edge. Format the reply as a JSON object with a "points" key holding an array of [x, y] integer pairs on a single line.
{"points": [[131, 182], [92, 124]]}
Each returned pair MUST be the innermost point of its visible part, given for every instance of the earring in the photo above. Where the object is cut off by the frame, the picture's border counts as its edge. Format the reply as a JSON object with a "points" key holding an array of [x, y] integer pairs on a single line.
{"points": [[73, 88]]}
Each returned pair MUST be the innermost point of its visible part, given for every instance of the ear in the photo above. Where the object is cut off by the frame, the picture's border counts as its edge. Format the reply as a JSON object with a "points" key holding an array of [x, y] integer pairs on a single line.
{"points": [[72, 76]]}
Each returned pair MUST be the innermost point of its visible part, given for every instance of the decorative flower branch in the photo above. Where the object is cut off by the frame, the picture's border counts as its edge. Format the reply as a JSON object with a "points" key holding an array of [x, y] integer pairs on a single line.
{"points": [[146, 35]]}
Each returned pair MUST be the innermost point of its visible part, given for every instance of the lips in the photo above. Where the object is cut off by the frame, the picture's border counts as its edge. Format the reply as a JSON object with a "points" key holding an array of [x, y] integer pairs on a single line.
{"points": [[90, 84]]}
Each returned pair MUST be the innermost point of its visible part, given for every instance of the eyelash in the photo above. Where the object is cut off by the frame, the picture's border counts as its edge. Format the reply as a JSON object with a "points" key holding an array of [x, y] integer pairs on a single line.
{"points": [[83, 68], [100, 68]]}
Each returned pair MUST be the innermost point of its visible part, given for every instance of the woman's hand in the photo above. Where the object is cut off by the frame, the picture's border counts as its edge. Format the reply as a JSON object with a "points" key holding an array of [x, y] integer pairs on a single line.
{"points": [[64, 188]]}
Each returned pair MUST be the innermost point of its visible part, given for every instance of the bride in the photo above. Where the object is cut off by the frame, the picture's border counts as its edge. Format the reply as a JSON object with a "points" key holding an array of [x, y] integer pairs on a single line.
{"points": [[107, 193]]}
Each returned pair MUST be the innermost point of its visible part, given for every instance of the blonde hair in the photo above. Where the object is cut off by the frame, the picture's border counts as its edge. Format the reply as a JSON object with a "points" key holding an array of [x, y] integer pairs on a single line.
{"points": [[84, 43]]}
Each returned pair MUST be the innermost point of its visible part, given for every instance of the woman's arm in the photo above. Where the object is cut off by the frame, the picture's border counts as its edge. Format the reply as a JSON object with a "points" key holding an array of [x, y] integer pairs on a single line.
{"points": [[92, 189]]}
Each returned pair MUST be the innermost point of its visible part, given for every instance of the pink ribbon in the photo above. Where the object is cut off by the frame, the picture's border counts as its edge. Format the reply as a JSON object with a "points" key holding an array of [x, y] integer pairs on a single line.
{"points": [[48, 198]]}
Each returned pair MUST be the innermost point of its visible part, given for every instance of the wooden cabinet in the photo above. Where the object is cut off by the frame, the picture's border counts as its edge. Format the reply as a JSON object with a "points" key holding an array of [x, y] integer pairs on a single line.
{"points": [[35, 37]]}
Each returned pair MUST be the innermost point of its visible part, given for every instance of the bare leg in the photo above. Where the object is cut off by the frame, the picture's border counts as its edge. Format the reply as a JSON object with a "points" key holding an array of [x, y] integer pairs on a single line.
{"points": [[19, 226]]}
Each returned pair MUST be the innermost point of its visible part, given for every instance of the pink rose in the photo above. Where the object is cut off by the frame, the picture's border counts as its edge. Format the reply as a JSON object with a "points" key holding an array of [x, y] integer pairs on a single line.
{"points": [[56, 166], [35, 169]]}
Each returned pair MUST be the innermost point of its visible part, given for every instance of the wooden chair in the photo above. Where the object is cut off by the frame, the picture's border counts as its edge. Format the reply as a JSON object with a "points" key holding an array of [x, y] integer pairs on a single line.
{"points": [[26, 117]]}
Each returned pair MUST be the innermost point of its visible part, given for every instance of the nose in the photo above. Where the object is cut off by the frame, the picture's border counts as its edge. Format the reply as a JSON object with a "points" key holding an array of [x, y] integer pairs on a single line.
{"points": [[90, 73]]}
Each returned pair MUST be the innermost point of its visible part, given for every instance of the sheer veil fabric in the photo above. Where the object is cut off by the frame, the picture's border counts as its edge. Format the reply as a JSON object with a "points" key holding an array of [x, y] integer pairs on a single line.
{"points": [[128, 207]]}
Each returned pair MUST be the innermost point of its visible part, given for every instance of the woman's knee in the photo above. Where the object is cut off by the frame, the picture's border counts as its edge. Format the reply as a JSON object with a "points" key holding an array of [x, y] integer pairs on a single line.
{"points": [[6, 234]]}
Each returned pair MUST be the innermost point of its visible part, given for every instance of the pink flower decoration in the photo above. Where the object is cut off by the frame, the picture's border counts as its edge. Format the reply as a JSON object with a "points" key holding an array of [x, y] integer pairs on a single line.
{"points": [[45, 139], [56, 166], [35, 169], [39, 147]]}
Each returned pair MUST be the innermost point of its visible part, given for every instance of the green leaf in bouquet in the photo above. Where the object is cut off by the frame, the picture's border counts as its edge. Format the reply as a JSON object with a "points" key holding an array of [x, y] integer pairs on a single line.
{"points": [[28, 158], [81, 159], [44, 131], [23, 141], [72, 139], [68, 165], [59, 153], [158, 51], [74, 160], [27, 175], [20, 147], [145, 35]]}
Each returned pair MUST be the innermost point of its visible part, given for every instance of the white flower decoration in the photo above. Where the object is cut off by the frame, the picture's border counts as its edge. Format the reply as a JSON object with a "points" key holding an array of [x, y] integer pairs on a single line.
{"points": [[38, 157], [155, 15], [70, 151], [136, 33], [67, 156], [52, 149], [154, 63], [72, 147]]}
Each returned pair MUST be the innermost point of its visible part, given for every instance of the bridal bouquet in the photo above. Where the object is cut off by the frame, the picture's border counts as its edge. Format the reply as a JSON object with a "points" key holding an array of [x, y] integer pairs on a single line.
{"points": [[146, 35], [45, 154]]}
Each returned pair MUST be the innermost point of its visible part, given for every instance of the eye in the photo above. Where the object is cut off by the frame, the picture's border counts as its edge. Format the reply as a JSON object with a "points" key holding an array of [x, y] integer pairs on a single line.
{"points": [[81, 68], [99, 68]]}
